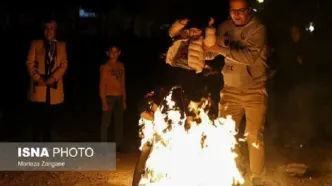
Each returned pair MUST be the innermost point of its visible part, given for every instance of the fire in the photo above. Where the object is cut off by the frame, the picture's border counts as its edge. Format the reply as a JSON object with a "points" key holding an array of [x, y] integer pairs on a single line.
{"points": [[199, 155]]}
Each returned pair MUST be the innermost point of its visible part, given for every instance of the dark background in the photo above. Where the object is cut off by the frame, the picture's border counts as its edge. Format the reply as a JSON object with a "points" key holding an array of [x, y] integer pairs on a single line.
{"points": [[140, 27]]}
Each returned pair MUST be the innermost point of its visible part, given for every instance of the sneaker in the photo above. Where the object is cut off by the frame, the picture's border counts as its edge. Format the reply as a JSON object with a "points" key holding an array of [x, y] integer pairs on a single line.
{"points": [[257, 181]]}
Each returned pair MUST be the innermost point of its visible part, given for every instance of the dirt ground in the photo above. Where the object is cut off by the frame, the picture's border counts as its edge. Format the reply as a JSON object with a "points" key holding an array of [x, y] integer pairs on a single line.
{"points": [[82, 123], [318, 159], [121, 177]]}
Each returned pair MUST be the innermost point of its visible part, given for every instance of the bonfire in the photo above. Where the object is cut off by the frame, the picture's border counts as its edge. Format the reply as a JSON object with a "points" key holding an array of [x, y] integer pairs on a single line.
{"points": [[189, 151]]}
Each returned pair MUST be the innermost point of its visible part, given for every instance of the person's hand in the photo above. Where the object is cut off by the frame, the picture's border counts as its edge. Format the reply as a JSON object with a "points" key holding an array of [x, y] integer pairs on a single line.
{"points": [[206, 48], [184, 21], [124, 105], [215, 48], [272, 74], [147, 115], [211, 21], [51, 80], [104, 106], [154, 107], [299, 60], [41, 82], [210, 72]]}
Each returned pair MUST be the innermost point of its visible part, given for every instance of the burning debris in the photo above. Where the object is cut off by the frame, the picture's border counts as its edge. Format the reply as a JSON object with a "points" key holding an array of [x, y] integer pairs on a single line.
{"points": [[295, 169], [188, 150]]}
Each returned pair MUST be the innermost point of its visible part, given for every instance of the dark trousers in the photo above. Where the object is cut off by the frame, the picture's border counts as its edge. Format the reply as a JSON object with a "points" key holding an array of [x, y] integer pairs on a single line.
{"points": [[115, 106], [43, 118]]}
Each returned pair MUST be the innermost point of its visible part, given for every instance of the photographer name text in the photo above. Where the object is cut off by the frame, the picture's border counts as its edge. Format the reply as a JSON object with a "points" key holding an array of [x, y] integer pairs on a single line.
{"points": [[40, 164]]}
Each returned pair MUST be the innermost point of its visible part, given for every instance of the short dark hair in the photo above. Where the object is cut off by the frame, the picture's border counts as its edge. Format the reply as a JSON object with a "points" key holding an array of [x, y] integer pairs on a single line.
{"points": [[114, 46], [46, 21], [297, 26], [246, 1], [196, 24]]}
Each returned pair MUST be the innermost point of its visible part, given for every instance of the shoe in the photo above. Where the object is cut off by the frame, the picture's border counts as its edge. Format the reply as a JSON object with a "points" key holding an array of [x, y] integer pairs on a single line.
{"points": [[257, 182]]}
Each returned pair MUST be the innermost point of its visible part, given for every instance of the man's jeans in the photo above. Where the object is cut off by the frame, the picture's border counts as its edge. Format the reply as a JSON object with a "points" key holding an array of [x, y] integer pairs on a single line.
{"points": [[252, 103], [115, 105]]}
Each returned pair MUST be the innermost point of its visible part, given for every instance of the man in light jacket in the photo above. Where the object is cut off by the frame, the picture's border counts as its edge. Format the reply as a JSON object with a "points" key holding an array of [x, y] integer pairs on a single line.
{"points": [[46, 65], [242, 41]]}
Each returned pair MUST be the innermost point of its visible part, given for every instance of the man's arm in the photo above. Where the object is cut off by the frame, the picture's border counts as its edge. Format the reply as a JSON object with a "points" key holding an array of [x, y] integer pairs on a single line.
{"points": [[102, 84], [124, 85], [210, 55], [246, 53], [212, 52], [177, 28], [32, 70], [59, 72]]}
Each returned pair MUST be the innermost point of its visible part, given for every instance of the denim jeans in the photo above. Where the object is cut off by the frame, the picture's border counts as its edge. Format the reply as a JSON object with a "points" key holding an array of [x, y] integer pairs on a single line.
{"points": [[115, 109]]}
